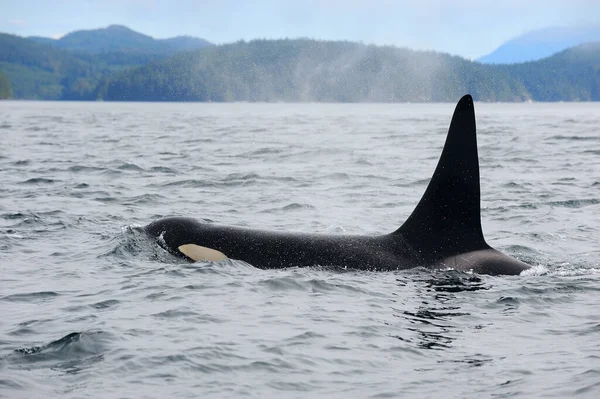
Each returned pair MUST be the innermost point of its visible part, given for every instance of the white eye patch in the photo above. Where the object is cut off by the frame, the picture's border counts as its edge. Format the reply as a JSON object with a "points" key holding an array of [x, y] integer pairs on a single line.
{"points": [[197, 253]]}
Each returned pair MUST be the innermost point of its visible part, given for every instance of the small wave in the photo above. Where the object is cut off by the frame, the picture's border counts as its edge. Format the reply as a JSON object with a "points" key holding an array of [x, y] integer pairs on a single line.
{"points": [[83, 168], [130, 166], [509, 304], [32, 297], [575, 203], [109, 303], [241, 176], [39, 180], [202, 168], [363, 161], [231, 180], [34, 223], [13, 216], [175, 313], [302, 279], [6, 383], [303, 337], [261, 152], [24, 162], [131, 241], [38, 129], [337, 176], [187, 314], [58, 344], [143, 199], [191, 183], [290, 207], [72, 353], [112, 172], [574, 138], [283, 284], [106, 200], [524, 205], [163, 169], [30, 217], [296, 206], [415, 183], [282, 178], [513, 184]]}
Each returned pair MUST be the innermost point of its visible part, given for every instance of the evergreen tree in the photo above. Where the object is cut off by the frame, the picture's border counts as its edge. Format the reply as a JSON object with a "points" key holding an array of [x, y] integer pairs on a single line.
{"points": [[5, 88]]}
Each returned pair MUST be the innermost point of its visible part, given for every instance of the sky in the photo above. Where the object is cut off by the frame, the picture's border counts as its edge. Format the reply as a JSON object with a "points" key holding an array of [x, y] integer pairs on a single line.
{"points": [[469, 28]]}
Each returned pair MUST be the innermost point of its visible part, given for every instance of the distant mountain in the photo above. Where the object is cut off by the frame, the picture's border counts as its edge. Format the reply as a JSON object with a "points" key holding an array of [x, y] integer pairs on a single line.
{"points": [[309, 70], [185, 43], [117, 38], [542, 43], [43, 72], [571, 75], [71, 67]]}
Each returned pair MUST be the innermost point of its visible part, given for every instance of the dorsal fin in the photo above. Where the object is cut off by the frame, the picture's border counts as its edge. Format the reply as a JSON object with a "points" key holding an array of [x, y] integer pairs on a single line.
{"points": [[447, 220]]}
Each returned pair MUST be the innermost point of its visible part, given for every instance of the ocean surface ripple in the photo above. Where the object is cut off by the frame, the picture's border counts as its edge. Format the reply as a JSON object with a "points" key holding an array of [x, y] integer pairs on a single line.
{"points": [[91, 308]]}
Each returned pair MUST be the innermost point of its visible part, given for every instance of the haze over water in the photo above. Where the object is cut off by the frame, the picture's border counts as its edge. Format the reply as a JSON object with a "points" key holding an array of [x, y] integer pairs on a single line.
{"points": [[91, 308]]}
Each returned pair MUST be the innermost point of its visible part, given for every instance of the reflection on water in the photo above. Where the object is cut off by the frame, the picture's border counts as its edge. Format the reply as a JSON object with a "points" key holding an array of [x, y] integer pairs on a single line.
{"points": [[435, 321]]}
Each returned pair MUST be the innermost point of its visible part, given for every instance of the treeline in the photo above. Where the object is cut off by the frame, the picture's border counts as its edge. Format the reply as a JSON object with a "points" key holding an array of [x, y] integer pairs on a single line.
{"points": [[291, 70], [308, 70]]}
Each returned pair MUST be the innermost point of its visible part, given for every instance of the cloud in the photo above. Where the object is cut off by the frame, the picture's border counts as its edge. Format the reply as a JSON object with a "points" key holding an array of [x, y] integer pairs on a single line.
{"points": [[18, 22]]}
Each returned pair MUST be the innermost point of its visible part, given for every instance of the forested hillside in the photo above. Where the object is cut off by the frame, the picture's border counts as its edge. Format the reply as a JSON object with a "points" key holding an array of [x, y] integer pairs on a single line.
{"points": [[39, 71], [307, 70], [288, 70], [71, 67]]}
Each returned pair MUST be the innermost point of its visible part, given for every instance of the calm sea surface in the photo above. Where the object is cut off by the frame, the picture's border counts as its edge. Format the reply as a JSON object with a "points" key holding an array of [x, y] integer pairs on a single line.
{"points": [[90, 308]]}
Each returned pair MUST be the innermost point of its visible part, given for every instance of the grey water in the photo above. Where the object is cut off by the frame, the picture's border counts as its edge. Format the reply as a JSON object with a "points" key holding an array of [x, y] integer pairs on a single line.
{"points": [[90, 308]]}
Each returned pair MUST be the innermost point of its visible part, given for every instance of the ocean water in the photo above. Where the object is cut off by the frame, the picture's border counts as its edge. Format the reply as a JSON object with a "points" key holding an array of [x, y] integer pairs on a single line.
{"points": [[91, 308]]}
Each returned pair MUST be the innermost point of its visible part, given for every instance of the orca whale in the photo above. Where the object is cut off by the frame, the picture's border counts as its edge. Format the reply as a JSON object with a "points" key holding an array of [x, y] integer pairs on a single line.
{"points": [[444, 230]]}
